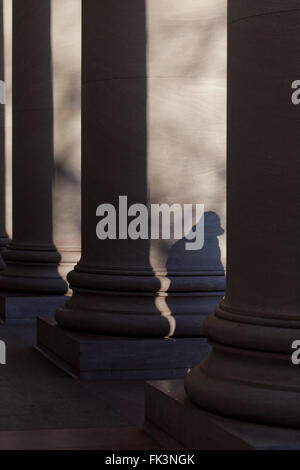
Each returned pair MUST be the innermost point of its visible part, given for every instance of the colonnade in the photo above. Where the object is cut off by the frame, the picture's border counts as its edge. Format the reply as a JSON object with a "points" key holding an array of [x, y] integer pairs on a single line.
{"points": [[147, 135], [140, 139]]}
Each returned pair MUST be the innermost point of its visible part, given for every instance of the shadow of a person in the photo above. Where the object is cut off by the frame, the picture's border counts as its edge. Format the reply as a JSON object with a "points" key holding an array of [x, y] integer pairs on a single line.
{"points": [[197, 277], [208, 258]]}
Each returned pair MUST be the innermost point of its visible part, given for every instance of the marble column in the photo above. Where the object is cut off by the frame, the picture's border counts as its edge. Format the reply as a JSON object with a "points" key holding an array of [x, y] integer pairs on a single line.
{"points": [[249, 375], [3, 235], [143, 138], [31, 258], [119, 286]]}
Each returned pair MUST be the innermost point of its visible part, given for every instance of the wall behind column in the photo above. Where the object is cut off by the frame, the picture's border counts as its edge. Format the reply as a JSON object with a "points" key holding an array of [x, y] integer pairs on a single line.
{"points": [[186, 102], [66, 60]]}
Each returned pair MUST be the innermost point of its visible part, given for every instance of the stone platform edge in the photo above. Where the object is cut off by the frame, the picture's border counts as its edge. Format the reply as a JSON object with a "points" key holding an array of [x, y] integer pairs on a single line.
{"points": [[89, 356], [171, 418]]}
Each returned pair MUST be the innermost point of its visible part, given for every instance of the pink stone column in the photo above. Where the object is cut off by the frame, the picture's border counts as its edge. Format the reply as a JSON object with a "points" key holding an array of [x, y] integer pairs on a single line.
{"points": [[135, 287], [31, 258], [249, 375]]}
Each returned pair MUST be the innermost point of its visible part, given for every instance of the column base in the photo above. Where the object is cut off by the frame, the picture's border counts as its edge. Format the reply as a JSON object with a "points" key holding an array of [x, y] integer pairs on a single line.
{"points": [[31, 271], [18, 307], [88, 356], [139, 305], [172, 419]]}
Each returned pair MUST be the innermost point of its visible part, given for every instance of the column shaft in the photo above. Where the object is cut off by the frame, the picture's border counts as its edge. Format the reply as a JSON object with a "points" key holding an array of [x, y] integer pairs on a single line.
{"points": [[250, 375], [31, 257], [140, 287]]}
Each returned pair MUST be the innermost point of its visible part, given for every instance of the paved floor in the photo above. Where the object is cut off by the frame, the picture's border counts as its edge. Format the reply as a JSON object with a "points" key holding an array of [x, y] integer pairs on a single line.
{"points": [[43, 408]]}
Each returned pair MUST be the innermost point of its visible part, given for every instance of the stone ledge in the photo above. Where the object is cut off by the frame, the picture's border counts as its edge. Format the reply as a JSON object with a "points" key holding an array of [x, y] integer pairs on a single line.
{"points": [[88, 356], [169, 414]]}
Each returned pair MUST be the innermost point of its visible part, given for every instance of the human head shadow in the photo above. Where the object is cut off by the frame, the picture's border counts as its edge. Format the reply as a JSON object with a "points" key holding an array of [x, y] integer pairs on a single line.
{"points": [[208, 258]]}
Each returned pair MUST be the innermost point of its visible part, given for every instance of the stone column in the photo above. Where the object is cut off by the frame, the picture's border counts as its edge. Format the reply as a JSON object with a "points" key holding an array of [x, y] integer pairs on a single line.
{"points": [[3, 235], [249, 374], [143, 138], [31, 257]]}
